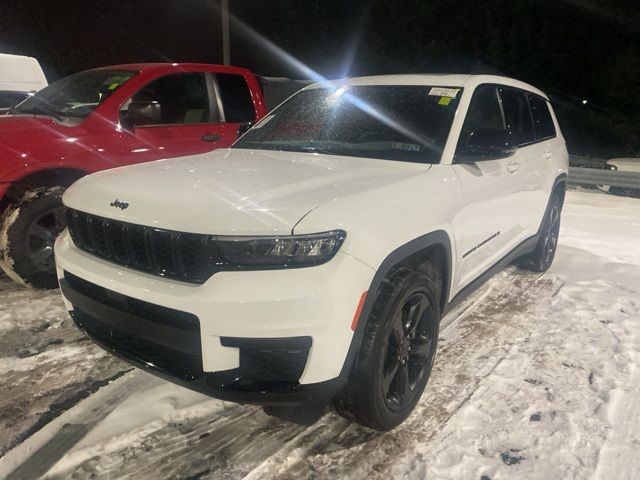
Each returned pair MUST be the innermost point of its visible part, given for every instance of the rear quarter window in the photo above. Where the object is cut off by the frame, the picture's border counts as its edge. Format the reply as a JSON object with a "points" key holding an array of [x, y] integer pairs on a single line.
{"points": [[236, 98], [517, 114], [542, 120]]}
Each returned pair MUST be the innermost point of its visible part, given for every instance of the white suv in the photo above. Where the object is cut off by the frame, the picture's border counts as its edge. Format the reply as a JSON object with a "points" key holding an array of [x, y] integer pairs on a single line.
{"points": [[314, 259]]}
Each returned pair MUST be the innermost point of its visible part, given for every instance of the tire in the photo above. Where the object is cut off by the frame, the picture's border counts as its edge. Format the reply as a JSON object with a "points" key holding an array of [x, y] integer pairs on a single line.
{"points": [[28, 229], [542, 257], [396, 356], [624, 192]]}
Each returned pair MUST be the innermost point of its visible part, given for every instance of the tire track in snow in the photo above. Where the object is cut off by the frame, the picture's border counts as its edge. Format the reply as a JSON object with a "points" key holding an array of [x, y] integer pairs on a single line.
{"points": [[244, 441], [47, 365], [51, 443], [472, 347]]}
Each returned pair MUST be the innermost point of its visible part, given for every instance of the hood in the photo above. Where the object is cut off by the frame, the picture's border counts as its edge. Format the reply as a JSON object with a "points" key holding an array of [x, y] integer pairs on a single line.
{"points": [[18, 131], [22, 124], [231, 192]]}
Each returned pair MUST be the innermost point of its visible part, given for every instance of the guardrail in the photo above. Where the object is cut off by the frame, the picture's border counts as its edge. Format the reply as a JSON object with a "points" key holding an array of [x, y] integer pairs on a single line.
{"points": [[601, 176]]}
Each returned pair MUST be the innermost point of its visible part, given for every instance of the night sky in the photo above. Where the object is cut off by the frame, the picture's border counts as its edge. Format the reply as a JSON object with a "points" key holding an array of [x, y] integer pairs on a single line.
{"points": [[573, 49]]}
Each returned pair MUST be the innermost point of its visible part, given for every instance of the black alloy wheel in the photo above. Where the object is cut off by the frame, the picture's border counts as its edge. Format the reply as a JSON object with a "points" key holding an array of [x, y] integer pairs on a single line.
{"points": [[41, 236], [409, 351], [542, 256], [550, 239]]}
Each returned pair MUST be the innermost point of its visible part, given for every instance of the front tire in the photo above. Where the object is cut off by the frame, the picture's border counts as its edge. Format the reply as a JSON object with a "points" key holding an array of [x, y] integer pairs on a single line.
{"points": [[398, 350], [28, 229]]}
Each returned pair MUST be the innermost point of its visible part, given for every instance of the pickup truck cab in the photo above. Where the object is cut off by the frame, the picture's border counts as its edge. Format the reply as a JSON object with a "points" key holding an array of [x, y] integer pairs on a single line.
{"points": [[314, 259], [100, 119]]}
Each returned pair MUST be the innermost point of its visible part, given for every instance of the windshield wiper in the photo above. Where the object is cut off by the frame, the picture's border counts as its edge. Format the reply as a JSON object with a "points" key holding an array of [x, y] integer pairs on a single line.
{"points": [[41, 110]]}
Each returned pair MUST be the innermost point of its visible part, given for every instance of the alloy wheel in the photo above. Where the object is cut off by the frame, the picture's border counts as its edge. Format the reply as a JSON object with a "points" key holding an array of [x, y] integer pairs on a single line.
{"points": [[41, 236], [409, 351], [551, 235]]}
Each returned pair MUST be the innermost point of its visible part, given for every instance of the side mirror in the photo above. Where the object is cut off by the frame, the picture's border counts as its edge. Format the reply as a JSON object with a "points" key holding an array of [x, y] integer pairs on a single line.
{"points": [[244, 128], [491, 142], [141, 113]]}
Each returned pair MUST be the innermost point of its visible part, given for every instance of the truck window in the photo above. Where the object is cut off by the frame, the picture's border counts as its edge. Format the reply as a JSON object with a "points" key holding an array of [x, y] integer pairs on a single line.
{"points": [[542, 120], [182, 99], [236, 98], [517, 114]]}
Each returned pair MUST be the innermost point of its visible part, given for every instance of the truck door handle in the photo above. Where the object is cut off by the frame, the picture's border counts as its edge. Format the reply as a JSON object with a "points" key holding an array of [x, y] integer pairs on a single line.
{"points": [[513, 167], [548, 155], [210, 137]]}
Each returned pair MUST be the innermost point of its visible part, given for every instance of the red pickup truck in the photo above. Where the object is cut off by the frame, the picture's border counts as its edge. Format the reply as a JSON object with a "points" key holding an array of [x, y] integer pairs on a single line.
{"points": [[104, 118]]}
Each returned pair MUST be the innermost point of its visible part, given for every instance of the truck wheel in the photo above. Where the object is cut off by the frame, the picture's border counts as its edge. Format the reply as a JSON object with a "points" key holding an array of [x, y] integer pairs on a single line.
{"points": [[398, 350], [542, 257], [28, 229]]}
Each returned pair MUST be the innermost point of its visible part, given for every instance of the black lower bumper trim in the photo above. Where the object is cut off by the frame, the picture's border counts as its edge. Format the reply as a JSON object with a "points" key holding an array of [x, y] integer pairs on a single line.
{"points": [[167, 345], [226, 386]]}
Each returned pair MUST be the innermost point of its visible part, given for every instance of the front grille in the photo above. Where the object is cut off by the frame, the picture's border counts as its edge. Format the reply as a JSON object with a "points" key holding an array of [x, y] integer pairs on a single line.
{"points": [[182, 256], [184, 362]]}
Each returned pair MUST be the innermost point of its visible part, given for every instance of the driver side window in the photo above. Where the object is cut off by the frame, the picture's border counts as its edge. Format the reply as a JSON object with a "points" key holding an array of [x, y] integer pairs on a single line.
{"points": [[484, 112], [177, 99]]}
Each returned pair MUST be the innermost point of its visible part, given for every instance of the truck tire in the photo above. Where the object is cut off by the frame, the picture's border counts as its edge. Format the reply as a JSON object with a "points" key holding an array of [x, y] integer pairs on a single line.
{"points": [[28, 229], [542, 257], [398, 350]]}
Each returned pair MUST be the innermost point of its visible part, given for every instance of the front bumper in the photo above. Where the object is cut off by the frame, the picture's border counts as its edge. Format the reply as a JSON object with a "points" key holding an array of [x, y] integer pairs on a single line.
{"points": [[277, 337]]}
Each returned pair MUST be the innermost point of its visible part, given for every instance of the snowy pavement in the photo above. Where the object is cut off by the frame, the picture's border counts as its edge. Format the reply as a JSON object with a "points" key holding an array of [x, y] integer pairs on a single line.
{"points": [[537, 376]]}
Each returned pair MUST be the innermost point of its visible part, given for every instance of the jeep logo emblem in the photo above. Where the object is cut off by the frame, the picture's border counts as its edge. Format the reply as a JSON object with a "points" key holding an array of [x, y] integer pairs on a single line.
{"points": [[118, 204]]}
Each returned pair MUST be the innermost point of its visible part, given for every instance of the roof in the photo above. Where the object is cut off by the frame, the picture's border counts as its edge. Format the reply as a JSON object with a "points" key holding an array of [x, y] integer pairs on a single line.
{"points": [[178, 66], [437, 80]]}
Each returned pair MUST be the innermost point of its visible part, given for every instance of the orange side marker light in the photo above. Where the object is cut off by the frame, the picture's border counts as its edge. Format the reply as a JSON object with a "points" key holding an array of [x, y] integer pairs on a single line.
{"points": [[356, 317]]}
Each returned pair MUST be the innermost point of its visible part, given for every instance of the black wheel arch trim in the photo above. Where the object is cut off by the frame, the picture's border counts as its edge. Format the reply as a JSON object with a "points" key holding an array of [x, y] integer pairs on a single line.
{"points": [[438, 238]]}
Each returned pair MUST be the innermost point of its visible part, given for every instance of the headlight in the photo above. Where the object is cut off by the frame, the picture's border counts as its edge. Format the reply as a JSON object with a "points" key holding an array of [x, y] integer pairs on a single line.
{"points": [[277, 251]]}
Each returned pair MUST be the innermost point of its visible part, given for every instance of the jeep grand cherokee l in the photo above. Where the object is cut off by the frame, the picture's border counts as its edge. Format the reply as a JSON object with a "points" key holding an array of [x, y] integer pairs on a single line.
{"points": [[314, 259]]}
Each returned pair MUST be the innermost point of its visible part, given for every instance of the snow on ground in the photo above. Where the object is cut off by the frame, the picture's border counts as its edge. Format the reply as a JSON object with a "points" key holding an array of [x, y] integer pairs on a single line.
{"points": [[537, 376]]}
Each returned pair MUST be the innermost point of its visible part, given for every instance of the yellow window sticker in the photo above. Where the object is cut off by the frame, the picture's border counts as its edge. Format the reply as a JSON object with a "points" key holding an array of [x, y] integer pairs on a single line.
{"points": [[444, 101]]}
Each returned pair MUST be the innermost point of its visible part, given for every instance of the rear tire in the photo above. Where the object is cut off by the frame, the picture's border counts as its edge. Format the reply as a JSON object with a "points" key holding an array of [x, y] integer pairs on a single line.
{"points": [[542, 257], [398, 350], [28, 229]]}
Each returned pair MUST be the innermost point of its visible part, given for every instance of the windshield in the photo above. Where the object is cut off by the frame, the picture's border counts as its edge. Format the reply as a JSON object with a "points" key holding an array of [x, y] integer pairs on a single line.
{"points": [[74, 96], [393, 122]]}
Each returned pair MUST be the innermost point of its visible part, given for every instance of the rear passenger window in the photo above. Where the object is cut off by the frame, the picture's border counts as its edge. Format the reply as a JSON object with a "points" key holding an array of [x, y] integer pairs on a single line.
{"points": [[541, 118], [517, 115], [484, 112], [236, 98]]}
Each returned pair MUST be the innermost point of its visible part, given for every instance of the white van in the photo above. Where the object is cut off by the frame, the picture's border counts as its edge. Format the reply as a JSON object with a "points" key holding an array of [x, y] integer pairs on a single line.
{"points": [[19, 75]]}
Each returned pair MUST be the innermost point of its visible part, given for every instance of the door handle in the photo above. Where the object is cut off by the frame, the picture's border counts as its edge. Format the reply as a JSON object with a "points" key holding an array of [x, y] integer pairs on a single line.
{"points": [[548, 155], [513, 167], [210, 137]]}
